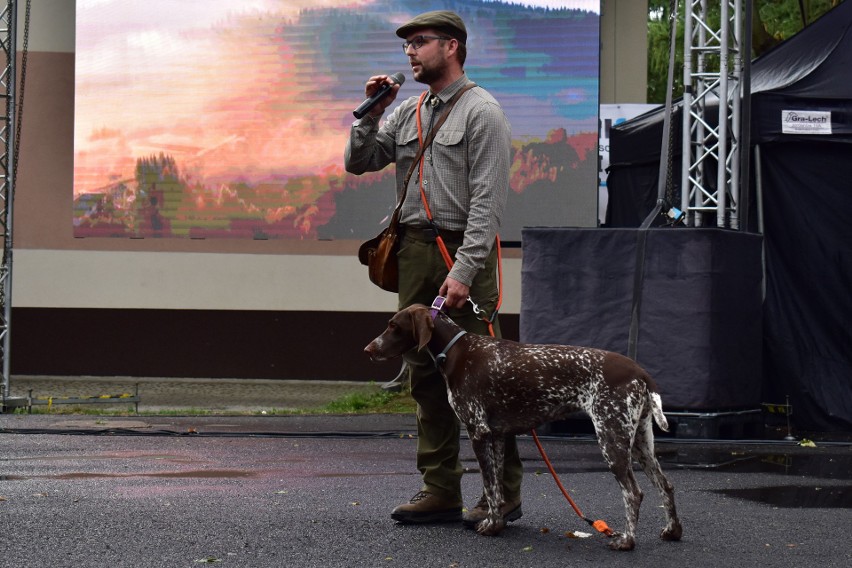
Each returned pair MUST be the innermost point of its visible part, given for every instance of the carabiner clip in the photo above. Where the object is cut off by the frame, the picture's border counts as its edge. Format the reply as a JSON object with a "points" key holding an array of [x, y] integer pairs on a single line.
{"points": [[480, 313], [476, 309]]}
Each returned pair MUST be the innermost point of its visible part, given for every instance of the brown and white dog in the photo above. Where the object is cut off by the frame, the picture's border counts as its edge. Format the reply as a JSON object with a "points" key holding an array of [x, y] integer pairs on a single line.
{"points": [[499, 387]]}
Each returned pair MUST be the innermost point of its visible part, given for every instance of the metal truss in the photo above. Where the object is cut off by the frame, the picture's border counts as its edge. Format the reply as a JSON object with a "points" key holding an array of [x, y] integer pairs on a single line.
{"points": [[8, 41], [712, 78]]}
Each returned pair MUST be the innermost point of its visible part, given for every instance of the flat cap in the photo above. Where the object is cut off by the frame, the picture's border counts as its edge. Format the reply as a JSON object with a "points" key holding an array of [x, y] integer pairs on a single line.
{"points": [[442, 20]]}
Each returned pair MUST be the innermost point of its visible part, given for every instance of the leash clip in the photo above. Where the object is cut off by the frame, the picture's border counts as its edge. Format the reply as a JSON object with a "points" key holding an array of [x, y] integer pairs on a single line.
{"points": [[480, 313], [476, 309]]}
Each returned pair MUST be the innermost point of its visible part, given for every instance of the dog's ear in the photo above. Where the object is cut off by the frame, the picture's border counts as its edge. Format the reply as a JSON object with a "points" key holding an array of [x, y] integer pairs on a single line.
{"points": [[423, 325]]}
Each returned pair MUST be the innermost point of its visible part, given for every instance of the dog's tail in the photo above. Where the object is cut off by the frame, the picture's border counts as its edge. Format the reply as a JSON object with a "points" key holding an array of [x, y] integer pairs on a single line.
{"points": [[657, 411]]}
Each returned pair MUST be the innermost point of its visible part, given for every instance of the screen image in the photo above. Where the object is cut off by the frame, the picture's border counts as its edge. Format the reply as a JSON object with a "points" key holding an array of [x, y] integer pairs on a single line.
{"points": [[222, 119]]}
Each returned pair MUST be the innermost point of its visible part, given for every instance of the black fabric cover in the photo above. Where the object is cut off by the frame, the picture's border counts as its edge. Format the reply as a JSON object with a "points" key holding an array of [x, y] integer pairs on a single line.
{"points": [[806, 205], [808, 335], [700, 332]]}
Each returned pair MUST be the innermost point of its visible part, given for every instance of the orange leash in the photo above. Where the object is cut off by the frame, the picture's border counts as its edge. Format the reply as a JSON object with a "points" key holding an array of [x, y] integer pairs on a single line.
{"points": [[442, 247], [599, 525]]}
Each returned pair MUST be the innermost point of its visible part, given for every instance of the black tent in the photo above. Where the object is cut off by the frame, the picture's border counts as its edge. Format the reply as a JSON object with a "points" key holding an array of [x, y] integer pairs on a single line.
{"points": [[800, 198]]}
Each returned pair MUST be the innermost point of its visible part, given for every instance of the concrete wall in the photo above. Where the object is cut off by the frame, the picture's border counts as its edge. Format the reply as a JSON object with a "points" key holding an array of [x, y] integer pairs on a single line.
{"points": [[624, 51]]}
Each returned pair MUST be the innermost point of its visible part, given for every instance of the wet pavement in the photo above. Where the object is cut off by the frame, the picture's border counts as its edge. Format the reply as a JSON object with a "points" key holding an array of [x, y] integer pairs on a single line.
{"points": [[317, 490]]}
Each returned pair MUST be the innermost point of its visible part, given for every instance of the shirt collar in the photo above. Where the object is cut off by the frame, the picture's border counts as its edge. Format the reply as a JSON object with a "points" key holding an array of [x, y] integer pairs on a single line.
{"points": [[450, 89]]}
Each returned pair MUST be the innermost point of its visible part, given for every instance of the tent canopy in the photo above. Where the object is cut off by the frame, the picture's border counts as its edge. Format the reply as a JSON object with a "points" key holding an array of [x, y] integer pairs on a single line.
{"points": [[810, 71], [806, 212]]}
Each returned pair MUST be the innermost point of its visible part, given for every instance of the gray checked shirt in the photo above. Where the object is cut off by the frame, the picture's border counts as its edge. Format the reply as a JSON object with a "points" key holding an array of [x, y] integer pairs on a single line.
{"points": [[466, 169]]}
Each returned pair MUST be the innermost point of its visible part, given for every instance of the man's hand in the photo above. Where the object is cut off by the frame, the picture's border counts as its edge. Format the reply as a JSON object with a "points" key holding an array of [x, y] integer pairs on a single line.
{"points": [[455, 292], [373, 84]]}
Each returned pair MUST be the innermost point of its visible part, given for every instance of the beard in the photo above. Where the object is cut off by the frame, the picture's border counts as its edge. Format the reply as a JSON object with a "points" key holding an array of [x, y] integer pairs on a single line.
{"points": [[428, 75]]}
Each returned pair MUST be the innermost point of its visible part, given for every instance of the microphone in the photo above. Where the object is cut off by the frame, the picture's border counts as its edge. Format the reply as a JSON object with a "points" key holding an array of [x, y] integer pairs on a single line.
{"points": [[367, 105]]}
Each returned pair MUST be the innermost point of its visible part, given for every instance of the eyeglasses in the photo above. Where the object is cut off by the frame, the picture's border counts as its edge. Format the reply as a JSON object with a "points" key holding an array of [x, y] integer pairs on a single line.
{"points": [[420, 41]]}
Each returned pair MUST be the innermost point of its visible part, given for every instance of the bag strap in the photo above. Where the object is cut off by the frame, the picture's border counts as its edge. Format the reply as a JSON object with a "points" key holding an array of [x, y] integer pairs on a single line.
{"points": [[442, 247], [419, 156]]}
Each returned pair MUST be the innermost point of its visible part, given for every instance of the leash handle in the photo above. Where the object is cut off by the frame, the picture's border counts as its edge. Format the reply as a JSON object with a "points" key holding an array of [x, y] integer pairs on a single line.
{"points": [[437, 306]]}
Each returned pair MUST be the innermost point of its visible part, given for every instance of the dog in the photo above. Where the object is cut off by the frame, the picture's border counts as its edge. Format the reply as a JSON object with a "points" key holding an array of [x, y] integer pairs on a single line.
{"points": [[499, 387]]}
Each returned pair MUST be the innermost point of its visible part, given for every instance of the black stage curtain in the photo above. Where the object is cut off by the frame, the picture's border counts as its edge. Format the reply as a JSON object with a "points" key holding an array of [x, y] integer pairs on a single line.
{"points": [[700, 326], [808, 326]]}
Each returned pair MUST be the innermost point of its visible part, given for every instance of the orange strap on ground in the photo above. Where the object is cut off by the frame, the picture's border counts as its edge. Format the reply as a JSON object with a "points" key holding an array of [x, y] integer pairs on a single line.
{"points": [[599, 525]]}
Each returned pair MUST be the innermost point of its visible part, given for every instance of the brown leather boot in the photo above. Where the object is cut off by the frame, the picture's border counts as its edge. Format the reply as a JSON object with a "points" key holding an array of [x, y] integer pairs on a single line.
{"points": [[510, 509], [427, 507]]}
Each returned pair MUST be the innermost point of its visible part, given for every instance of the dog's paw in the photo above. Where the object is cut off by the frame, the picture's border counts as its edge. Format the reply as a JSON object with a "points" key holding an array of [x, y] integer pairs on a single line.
{"points": [[672, 532], [491, 525], [622, 542]]}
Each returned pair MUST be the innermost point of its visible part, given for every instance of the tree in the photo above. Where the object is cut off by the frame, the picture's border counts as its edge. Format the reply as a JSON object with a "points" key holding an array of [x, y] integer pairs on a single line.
{"points": [[773, 21]]}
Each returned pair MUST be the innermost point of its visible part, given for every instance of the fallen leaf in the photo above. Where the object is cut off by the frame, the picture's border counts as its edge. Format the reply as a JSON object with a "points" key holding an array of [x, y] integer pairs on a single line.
{"points": [[354, 503], [577, 534], [208, 560], [805, 443], [527, 549], [544, 530]]}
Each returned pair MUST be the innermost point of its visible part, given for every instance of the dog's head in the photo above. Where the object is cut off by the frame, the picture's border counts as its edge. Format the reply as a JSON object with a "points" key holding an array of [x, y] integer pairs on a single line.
{"points": [[407, 329]]}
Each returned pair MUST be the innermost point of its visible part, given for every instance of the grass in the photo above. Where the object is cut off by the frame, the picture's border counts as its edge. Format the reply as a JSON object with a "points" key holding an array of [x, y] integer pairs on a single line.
{"points": [[379, 402]]}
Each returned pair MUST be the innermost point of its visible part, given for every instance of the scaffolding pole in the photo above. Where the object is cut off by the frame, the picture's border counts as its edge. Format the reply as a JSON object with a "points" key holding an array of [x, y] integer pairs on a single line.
{"points": [[8, 43], [712, 78]]}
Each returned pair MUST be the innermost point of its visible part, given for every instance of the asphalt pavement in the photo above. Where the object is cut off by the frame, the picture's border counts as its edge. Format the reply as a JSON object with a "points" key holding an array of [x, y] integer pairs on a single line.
{"points": [[317, 491]]}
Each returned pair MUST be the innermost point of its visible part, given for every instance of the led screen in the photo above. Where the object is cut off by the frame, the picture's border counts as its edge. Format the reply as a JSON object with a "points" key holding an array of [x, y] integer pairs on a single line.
{"points": [[222, 119]]}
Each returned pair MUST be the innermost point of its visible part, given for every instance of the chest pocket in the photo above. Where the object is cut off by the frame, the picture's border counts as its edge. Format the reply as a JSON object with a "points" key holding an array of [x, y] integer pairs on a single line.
{"points": [[450, 154], [407, 135], [449, 137]]}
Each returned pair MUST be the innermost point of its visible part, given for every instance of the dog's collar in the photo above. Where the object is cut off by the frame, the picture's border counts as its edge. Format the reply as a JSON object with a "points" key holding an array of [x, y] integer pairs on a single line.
{"points": [[435, 311], [442, 356], [437, 306]]}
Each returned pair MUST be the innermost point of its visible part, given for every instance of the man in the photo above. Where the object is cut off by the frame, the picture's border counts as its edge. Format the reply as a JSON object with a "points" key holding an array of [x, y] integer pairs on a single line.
{"points": [[465, 178]]}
